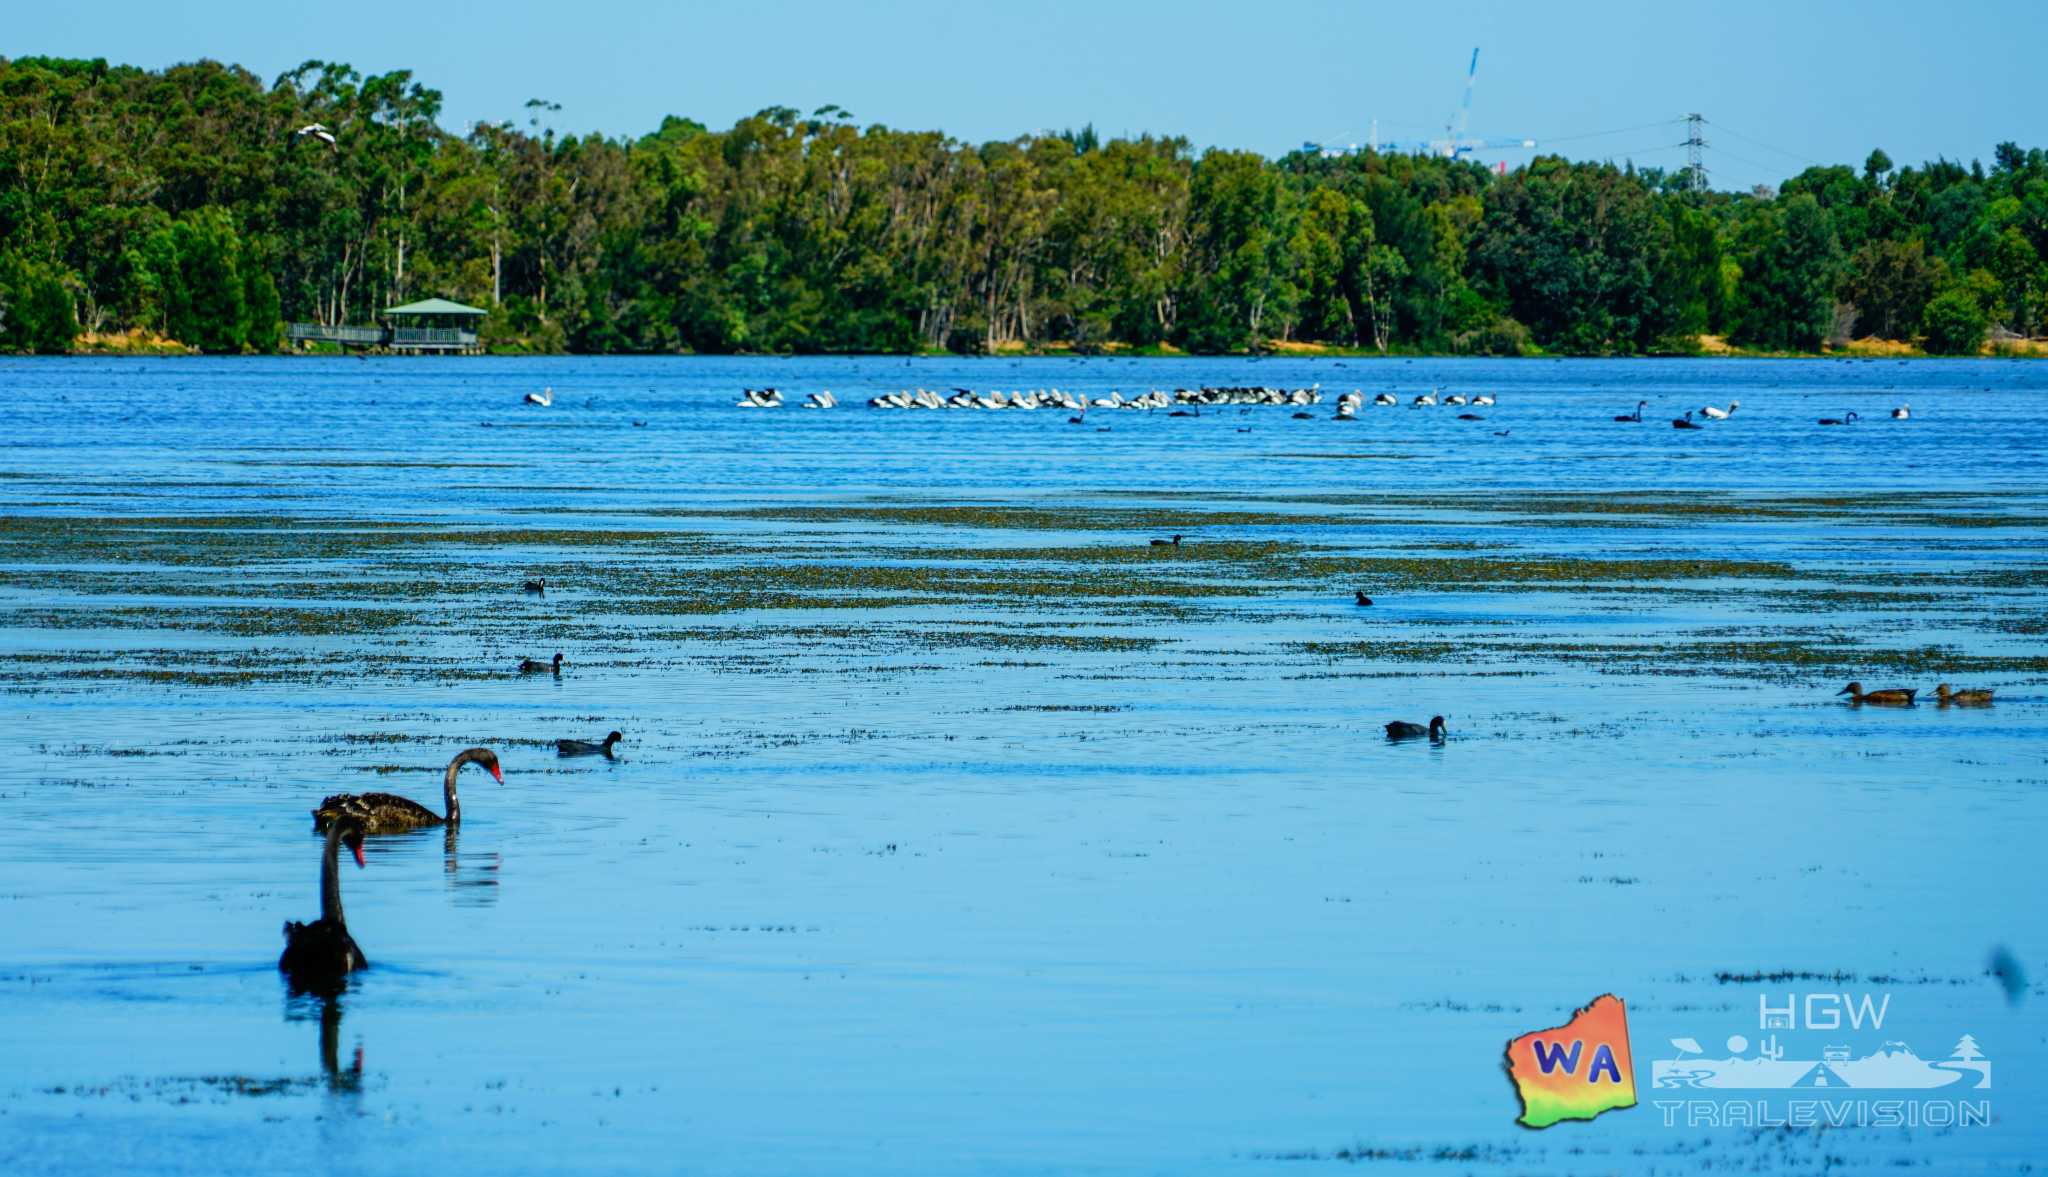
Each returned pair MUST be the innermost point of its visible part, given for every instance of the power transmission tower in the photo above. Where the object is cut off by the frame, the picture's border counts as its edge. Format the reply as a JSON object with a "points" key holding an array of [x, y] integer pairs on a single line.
{"points": [[1696, 170]]}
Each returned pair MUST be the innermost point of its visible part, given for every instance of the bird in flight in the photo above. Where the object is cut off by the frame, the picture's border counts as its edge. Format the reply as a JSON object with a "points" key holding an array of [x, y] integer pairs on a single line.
{"points": [[317, 131]]}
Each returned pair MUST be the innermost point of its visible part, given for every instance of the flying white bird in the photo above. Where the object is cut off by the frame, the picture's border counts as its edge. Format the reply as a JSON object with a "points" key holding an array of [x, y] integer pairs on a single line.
{"points": [[318, 132]]}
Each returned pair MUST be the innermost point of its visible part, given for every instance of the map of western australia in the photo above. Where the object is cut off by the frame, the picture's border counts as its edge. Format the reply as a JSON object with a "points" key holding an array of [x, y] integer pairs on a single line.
{"points": [[1577, 1070]]}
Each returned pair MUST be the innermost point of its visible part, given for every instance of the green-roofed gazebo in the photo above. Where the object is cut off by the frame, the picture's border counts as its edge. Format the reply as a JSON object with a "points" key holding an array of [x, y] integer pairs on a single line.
{"points": [[434, 324]]}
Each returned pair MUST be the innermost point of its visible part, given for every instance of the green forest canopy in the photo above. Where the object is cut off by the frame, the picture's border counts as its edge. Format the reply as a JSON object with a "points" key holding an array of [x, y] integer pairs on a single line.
{"points": [[180, 202]]}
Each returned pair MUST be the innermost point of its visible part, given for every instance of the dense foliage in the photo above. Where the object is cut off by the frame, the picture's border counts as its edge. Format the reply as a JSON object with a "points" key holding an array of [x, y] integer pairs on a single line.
{"points": [[180, 202]]}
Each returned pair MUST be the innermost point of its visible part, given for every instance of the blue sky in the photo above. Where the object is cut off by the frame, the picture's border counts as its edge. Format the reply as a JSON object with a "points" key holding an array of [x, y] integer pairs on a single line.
{"points": [[1782, 84]]}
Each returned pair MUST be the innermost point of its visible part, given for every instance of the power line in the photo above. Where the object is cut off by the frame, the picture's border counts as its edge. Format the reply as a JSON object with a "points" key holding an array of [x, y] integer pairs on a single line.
{"points": [[1768, 147], [1618, 131]]}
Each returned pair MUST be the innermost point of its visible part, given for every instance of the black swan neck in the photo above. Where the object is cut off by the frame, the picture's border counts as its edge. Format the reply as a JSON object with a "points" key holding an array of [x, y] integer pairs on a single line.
{"points": [[330, 877], [453, 802]]}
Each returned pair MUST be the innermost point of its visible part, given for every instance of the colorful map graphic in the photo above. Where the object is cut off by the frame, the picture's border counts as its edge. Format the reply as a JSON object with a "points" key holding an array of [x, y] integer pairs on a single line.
{"points": [[1577, 1070]]}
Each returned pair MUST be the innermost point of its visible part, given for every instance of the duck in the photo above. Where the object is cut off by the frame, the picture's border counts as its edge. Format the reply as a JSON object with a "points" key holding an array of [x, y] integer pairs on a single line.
{"points": [[1362, 598], [1167, 543], [1844, 419], [321, 953], [1902, 412], [586, 748], [539, 585], [388, 813], [1637, 415], [1483, 399], [1970, 697], [1712, 413], [1685, 422], [1890, 697], [544, 398], [1401, 729], [529, 666]]}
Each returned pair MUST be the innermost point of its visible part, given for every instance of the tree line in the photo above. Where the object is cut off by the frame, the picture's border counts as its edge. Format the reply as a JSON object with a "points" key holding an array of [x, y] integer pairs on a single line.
{"points": [[182, 202]]}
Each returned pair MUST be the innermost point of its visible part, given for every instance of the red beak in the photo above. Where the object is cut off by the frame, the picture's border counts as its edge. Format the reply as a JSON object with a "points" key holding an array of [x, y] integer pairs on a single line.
{"points": [[496, 773], [358, 848]]}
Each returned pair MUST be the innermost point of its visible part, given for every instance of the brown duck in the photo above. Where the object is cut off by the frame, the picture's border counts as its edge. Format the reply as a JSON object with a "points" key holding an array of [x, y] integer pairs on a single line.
{"points": [[388, 813], [1970, 698], [322, 952], [1891, 697]]}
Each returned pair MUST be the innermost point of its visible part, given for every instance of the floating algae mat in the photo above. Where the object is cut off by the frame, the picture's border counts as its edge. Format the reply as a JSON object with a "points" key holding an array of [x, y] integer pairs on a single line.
{"points": [[959, 826]]}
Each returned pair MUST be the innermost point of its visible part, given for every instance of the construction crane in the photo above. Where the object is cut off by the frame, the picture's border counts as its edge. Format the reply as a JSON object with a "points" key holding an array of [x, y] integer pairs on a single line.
{"points": [[1454, 144]]}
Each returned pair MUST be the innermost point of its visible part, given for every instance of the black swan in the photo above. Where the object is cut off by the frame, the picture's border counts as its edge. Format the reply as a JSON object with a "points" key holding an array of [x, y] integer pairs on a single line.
{"points": [[386, 813], [323, 952], [529, 666], [1167, 543]]}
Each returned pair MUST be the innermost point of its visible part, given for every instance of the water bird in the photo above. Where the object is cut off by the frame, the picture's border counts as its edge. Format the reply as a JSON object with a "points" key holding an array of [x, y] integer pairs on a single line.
{"points": [[1362, 598], [1685, 422], [1715, 414], [1076, 421], [1424, 399], [1312, 416], [537, 586], [639, 424], [1902, 412], [1185, 413], [544, 398], [1470, 417], [1401, 729], [1454, 399], [1637, 415], [1971, 696], [1844, 419], [586, 748], [388, 813], [1889, 697], [1500, 433], [529, 666], [1483, 399], [322, 952], [317, 131], [1385, 398], [1167, 543]]}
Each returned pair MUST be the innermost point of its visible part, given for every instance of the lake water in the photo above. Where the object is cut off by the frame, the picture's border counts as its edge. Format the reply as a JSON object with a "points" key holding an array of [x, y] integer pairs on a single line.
{"points": [[957, 828]]}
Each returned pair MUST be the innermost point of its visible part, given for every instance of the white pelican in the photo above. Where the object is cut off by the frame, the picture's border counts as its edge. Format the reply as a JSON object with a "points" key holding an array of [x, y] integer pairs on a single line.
{"points": [[1454, 399], [1424, 399], [1483, 399], [1900, 413], [544, 398], [1385, 398], [1720, 414], [318, 132]]}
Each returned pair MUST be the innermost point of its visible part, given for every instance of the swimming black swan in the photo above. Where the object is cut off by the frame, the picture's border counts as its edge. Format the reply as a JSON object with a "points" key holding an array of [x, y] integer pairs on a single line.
{"points": [[1362, 598], [323, 952], [537, 586], [386, 813], [586, 748], [1684, 422], [529, 666], [1636, 416], [1167, 543], [1844, 419], [1403, 730]]}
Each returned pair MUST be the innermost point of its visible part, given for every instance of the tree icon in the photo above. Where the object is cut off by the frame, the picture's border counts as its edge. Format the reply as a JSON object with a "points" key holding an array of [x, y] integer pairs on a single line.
{"points": [[1966, 1050]]}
